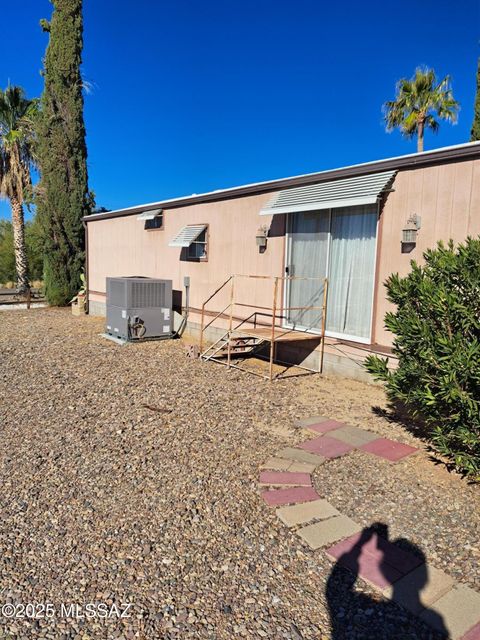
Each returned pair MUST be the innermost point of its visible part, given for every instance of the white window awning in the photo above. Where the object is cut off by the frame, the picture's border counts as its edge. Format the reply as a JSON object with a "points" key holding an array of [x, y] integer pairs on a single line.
{"points": [[345, 192], [150, 215], [187, 235]]}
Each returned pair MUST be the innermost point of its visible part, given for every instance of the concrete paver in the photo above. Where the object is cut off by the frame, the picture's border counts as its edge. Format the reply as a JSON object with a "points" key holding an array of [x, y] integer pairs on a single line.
{"points": [[283, 464], [303, 513], [374, 559], [325, 427], [458, 610], [299, 455], [285, 478], [327, 447], [305, 422], [276, 464], [294, 495], [473, 633], [322, 533], [420, 588], [383, 549], [388, 449], [302, 467], [354, 435]]}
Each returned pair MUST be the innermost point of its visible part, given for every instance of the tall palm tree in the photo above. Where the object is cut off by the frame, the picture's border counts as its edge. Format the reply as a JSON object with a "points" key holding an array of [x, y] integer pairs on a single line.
{"points": [[417, 102], [17, 137]]}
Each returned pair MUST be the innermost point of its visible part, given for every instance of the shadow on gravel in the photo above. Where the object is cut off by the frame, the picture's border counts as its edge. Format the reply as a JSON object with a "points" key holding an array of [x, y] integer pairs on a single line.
{"points": [[396, 412], [355, 615]]}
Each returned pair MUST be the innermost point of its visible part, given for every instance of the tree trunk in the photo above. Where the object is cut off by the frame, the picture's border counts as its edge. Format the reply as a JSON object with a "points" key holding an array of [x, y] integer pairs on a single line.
{"points": [[21, 264], [421, 130]]}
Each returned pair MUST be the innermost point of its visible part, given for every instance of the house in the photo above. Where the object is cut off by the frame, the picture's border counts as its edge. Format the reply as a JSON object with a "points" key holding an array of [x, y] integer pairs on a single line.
{"points": [[354, 226]]}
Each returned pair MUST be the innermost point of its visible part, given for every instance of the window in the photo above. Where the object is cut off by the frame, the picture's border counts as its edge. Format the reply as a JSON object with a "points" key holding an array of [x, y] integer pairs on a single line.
{"points": [[154, 223], [198, 248], [193, 239]]}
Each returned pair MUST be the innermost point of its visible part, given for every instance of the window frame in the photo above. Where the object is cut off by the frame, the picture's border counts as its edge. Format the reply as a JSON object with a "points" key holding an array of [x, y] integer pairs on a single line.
{"points": [[204, 258], [160, 228]]}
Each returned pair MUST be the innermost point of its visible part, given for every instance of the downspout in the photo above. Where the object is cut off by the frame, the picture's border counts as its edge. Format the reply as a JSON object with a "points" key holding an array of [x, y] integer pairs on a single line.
{"points": [[87, 305]]}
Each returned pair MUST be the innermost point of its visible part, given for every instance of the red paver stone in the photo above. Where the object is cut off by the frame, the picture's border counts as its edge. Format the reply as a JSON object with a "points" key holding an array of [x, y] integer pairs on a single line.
{"points": [[327, 447], [403, 561], [372, 569], [278, 497], [286, 477], [378, 561], [325, 427], [473, 633], [388, 449]]}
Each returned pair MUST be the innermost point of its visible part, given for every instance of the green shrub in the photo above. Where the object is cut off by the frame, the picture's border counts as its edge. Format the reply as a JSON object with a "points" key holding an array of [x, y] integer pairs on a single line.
{"points": [[7, 255], [34, 244], [437, 340]]}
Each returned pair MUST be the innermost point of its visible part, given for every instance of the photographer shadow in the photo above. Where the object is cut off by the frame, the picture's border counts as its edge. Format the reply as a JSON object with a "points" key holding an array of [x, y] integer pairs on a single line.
{"points": [[355, 615]]}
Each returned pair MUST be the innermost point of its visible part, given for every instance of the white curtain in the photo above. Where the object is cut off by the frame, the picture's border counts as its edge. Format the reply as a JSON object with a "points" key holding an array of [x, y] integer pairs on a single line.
{"points": [[308, 258], [351, 270]]}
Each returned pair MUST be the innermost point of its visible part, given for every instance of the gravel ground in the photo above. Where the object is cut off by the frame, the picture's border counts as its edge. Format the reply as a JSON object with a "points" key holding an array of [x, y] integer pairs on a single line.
{"points": [[104, 499]]}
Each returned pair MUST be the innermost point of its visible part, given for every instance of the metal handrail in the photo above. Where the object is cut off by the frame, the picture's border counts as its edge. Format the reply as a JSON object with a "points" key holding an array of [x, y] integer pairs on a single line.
{"points": [[232, 303], [243, 275], [202, 328], [217, 316], [219, 289]]}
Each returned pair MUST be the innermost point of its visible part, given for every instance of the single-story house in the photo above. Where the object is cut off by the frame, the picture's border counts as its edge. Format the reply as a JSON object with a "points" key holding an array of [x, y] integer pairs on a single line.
{"points": [[354, 226]]}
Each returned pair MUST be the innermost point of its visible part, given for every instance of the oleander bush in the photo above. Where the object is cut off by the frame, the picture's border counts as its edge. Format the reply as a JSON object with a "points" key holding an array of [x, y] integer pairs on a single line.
{"points": [[436, 326]]}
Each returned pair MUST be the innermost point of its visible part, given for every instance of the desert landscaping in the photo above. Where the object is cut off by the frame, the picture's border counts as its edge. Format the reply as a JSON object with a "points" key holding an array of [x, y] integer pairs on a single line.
{"points": [[129, 475]]}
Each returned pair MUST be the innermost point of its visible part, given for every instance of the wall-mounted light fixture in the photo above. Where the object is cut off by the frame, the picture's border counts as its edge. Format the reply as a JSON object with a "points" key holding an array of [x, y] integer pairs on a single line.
{"points": [[261, 237], [409, 233]]}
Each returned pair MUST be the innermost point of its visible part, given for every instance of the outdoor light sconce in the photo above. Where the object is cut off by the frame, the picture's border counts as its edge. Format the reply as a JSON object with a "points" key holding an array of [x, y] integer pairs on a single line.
{"points": [[409, 233], [261, 238]]}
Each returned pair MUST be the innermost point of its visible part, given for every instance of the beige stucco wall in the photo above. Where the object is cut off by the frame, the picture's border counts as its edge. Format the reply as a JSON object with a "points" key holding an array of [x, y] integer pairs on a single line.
{"points": [[447, 198], [122, 247]]}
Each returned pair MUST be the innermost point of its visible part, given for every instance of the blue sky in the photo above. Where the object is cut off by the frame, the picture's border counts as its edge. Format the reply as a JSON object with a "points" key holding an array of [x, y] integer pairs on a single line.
{"points": [[190, 95]]}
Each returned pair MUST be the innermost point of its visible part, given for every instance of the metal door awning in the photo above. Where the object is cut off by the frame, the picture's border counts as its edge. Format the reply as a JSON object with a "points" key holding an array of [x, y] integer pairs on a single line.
{"points": [[187, 235], [150, 215], [346, 192]]}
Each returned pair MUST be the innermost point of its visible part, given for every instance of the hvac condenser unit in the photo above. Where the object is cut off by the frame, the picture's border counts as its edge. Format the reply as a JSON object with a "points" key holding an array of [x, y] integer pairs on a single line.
{"points": [[139, 308]]}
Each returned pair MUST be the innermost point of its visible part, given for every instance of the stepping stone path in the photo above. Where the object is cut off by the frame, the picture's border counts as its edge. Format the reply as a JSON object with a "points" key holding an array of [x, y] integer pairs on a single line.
{"points": [[282, 478], [398, 574]]}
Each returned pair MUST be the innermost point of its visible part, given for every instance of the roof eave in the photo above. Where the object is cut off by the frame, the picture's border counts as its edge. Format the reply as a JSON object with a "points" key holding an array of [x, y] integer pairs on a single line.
{"points": [[445, 154]]}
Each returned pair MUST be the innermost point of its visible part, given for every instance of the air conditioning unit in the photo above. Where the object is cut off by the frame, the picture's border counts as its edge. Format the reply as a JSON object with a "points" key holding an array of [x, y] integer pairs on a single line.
{"points": [[139, 308]]}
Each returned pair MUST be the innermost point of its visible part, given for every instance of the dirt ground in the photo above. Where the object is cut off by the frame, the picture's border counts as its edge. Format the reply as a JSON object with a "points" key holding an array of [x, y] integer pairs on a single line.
{"points": [[128, 477]]}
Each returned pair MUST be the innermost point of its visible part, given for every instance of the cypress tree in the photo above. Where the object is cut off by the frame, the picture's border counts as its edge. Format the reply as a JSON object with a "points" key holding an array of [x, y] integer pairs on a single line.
{"points": [[63, 195], [475, 133]]}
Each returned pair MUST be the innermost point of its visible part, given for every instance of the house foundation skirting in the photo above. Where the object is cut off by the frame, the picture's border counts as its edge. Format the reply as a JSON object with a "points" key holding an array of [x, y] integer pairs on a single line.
{"points": [[341, 364], [97, 308], [339, 359]]}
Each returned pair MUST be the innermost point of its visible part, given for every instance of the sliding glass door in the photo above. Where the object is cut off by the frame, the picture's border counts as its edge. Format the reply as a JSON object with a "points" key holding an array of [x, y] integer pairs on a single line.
{"points": [[339, 244], [308, 259]]}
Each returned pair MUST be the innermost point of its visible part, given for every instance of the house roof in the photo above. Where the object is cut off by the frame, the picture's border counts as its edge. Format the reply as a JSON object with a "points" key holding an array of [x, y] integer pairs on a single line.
{"points": [[466, 151]]}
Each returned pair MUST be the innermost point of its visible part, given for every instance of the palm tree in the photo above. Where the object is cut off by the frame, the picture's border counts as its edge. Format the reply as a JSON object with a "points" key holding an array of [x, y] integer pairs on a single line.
{"points": [[417, 102], [17, 115]]}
